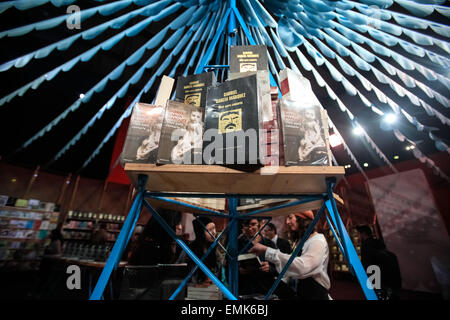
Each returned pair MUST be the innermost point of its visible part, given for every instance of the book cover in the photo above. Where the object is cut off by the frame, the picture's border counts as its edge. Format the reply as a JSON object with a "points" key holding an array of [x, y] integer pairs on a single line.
{"points": [[248, 58], [33, 204], [181, 134], [21, 203], [192, 89], [3, 200], [232, 123], [11, 202], [249, 261], [144, 129]]}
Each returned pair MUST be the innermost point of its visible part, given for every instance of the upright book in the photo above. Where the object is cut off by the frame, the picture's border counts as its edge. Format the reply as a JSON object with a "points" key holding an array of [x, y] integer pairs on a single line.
{"points": [[232, 123], [192, 89], [304, 123], [181, 134], [144, 129]]}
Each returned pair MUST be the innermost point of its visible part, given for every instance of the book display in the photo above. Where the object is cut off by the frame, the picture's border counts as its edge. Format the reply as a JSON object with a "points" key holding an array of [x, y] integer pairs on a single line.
{"points": [[24, 232], [337, 261]]}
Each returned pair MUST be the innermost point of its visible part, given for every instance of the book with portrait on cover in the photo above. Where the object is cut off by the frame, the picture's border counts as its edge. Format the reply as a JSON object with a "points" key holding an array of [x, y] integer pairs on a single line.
{"points": [[181, 134]]}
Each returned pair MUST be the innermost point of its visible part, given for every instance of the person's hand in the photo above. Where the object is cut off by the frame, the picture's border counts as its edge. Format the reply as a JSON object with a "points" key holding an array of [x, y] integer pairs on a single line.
{"points": [[264, 266], [258, 249]]}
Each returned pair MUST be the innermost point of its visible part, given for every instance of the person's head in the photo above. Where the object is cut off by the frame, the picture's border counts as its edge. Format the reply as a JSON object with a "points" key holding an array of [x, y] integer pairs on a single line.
{"points": [[364, 232], [202, 235], [179, 229], [196, 116], [270, 230], [298, 222], [309, 114], [252, 227]]}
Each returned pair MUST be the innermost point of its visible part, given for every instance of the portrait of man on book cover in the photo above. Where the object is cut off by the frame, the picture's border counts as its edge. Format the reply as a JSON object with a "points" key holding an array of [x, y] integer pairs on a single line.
{"points": [[148, 149], [189, 146], [312, 148]]}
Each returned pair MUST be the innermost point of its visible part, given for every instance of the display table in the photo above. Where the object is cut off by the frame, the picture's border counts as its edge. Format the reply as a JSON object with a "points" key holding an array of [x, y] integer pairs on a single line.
{"points": [[311, 187]]}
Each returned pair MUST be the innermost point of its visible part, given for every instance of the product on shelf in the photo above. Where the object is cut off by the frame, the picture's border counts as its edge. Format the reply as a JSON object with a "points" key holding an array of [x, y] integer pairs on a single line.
{"points": [[144, 130], [191, 89], [304, 122], [181, 134], [232, 123]]}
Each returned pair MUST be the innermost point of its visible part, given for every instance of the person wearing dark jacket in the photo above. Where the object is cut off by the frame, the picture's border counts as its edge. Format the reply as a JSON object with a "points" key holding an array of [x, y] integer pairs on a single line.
{"points": [[374, 252], [271, 233]]}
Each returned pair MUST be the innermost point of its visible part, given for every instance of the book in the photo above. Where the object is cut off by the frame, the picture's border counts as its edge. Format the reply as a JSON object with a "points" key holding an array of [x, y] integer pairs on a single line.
{"points": [[192, 89], [21, 203], [232, 123], [304, 123], [3, 200], [248, 60], [142, 141], [33, 204], [249, 261], [181, 134], [144, 130]]}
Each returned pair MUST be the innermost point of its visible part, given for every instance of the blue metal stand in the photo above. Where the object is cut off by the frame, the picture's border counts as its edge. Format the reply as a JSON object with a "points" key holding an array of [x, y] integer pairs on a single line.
{"points": [[232, 291]]}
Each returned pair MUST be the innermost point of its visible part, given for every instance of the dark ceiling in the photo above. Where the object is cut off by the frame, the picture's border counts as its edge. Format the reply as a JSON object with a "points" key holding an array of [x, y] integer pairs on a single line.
{"points": [[24, 116]]}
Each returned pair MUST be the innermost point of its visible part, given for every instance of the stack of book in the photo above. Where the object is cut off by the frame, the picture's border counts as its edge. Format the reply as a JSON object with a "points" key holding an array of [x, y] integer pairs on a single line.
{"points": [[211, 292]]}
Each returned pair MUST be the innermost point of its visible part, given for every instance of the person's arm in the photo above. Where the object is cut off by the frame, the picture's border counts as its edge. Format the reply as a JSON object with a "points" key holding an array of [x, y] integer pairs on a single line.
{"points": [[301, 267]]}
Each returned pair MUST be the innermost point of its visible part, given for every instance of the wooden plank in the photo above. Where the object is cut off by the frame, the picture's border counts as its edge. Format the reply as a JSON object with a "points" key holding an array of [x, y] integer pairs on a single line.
{"points": [[220, 179]]}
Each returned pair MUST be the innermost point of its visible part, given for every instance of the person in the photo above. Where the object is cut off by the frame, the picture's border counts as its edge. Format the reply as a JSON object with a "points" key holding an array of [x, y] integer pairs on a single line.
{"points": [[203, 240], [148, 150], [310, 268], [100, 236], [259, 282], [56, 241], [271, 233], [154, 244], [374, 252]]}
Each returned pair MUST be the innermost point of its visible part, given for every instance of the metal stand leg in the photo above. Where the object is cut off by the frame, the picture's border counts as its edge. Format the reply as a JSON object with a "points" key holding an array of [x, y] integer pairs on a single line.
{"points": [[348, 248], [233, 267], [121, 242]]}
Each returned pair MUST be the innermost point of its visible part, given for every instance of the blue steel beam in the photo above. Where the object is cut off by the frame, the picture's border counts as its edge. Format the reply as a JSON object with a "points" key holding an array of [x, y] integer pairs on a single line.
{"points": [[286, 205], [223, 195], [355, 263], [233, 267], [191, 273], [249, 242], [189, 252]]}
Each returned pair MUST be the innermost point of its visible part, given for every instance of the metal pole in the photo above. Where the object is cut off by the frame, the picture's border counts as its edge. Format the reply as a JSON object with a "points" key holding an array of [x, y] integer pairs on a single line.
{"points": [[233, 267], [211, 248], [191, 255]]}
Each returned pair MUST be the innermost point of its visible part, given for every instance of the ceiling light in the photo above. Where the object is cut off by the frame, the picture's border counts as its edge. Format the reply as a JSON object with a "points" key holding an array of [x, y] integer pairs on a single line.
{"points": [[390, 118], [358, 130], [81, 95], [396, 157], [365, 164]]}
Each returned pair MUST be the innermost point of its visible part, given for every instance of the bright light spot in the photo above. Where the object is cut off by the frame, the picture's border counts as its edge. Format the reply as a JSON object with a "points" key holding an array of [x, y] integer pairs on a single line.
{"points": [[358, 130], [35, 175], [409, 148], [396, 157], [81, 95], [335, 140], [390, 118], [13, 180], [347, 166], [365, 164]]}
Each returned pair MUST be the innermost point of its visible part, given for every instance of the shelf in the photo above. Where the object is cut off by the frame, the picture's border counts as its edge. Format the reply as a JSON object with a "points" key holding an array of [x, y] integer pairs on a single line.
{"points": [[221, 179], [78, 229], [23, 239], [81, 219], [26, 209], [20, 218]]}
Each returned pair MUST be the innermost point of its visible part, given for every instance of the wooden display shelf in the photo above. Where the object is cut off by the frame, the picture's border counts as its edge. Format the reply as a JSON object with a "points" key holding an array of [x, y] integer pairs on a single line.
{"points": [[26, 209], [220, 179]]}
